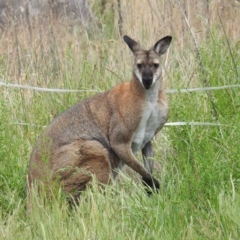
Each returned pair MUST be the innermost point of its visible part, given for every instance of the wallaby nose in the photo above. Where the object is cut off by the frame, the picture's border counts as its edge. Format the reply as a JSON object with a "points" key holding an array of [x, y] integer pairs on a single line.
{"points": [[147, 82], [147, 77]]}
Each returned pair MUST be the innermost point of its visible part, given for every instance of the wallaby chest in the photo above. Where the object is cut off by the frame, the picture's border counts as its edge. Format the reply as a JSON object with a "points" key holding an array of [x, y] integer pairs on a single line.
{"points": [[153, 118]]}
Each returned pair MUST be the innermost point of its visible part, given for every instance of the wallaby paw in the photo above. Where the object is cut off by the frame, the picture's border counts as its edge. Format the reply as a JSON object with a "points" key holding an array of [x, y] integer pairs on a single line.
{"points": [[151, 183]]}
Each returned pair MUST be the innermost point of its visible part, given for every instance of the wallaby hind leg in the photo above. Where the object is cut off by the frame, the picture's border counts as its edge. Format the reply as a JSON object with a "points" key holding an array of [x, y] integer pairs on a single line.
{"points": [[75, 164], [147, 153]]}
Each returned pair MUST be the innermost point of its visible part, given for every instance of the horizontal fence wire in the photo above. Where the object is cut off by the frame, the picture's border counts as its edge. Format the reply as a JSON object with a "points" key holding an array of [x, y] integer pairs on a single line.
{"points": [[89, 90], [202, 89], [92, 90], [44, 89], [194, 124], [166, 124]]}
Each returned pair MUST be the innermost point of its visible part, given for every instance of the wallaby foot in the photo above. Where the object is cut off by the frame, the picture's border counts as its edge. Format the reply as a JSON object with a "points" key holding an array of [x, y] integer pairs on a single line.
{"points": [[152, 183]]}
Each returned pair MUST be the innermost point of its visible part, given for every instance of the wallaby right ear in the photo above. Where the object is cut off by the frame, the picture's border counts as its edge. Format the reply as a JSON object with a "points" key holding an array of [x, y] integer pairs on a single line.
{"points": [[133, 45], [162, 45]]}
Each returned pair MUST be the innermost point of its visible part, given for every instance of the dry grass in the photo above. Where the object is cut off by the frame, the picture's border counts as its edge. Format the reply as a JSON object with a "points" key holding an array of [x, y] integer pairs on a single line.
{"points": [[25, 48]]}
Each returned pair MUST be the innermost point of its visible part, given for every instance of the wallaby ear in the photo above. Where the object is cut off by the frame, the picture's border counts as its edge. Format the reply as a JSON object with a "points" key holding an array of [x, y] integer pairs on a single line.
{"points": [[162, 45], [133, 45]]}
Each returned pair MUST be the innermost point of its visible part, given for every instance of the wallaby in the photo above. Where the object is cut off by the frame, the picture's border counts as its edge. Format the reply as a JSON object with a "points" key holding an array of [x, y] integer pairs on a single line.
{"points": [[99, 135]]}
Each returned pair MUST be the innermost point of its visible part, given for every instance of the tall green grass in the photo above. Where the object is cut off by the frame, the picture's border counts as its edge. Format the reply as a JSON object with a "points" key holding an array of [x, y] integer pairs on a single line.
{"points": [[198, 166]]}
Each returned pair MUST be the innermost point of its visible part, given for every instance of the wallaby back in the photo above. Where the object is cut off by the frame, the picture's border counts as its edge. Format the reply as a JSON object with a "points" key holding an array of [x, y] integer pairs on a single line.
{"points": [[101, 134]]}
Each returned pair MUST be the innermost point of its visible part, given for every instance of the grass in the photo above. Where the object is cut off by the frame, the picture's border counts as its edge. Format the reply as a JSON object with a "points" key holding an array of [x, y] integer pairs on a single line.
{"points": [[198, 166]]}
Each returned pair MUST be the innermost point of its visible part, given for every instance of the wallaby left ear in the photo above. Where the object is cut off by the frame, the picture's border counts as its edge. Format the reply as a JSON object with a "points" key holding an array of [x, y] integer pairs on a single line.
{"points": [[162, 45], [133, 45]]}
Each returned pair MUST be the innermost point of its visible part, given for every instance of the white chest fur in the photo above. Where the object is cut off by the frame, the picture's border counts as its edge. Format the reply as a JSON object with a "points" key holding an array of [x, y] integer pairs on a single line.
{"points": [[154, 117]]}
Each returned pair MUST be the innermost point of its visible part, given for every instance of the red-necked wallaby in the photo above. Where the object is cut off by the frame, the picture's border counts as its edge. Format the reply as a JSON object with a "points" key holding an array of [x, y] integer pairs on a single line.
{"points": [[100, 134]]}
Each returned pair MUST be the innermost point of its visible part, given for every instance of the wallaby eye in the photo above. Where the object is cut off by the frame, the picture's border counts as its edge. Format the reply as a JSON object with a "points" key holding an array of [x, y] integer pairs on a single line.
{"points": [[156, 65], [139, 65]]}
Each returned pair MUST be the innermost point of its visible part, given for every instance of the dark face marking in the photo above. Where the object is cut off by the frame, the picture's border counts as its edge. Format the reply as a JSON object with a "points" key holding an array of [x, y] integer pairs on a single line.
{"points": [[146, 67], [147, 77]]}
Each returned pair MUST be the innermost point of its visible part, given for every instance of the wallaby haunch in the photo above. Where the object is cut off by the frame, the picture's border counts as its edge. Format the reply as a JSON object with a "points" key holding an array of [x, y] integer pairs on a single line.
{"points": [[100, 134]]}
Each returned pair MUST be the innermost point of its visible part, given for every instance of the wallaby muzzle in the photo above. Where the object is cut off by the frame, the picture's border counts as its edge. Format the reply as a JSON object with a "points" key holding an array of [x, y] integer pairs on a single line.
{"points": [[147, 77]]}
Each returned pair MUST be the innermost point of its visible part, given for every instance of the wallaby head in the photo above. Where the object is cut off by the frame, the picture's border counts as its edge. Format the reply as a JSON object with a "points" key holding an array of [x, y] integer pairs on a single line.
{"points": [[147, 69]]}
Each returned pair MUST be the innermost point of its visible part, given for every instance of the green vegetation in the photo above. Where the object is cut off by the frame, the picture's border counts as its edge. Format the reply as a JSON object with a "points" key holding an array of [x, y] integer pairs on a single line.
{"points": [[198, 166]]}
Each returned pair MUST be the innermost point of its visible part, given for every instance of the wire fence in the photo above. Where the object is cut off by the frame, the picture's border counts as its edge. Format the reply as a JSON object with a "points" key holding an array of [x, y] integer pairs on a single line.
{"points": [[44, 89], [188, 90], [166, 124]]}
